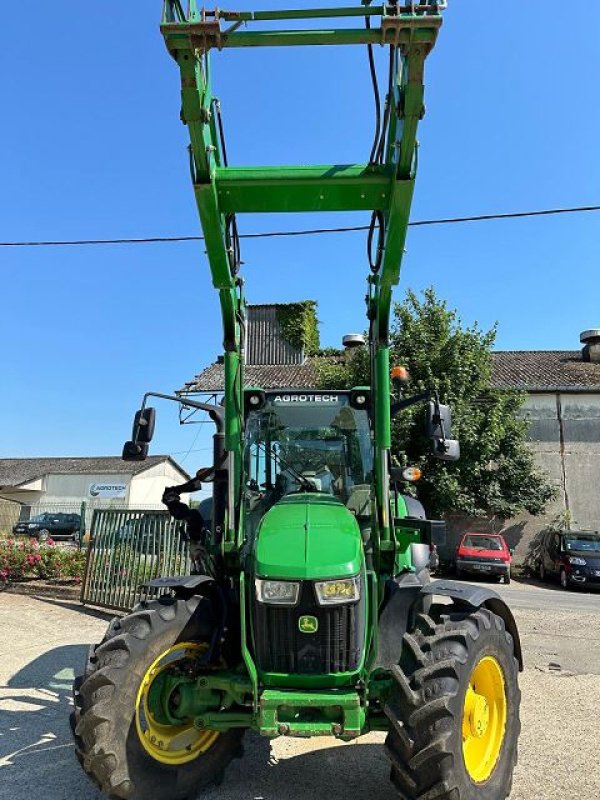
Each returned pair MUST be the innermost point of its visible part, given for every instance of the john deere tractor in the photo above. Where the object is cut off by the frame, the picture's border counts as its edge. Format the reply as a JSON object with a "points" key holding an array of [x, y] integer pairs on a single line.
{"points": [[310, 610]]}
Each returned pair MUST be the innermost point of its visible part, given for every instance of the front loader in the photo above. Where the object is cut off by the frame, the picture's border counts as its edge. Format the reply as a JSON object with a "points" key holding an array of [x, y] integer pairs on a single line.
{"points": [[310, 610]]}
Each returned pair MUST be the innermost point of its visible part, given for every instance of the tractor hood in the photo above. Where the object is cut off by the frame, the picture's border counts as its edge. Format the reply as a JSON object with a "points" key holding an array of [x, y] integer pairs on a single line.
{"points": [[308, 536]]}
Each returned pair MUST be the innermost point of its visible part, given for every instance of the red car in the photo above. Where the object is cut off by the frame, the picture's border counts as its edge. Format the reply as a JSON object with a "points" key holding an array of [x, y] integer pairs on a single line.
{"points": [[483, 554]]}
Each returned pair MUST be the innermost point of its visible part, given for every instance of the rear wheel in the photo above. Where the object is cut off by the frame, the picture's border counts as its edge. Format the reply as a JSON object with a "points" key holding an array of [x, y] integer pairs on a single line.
{"points": [[121, 745], [454, 712], [507, 576]]}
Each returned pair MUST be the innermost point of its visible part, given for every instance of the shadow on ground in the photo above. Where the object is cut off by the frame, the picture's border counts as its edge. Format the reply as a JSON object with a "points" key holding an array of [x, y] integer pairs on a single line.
{"points": [[359, 771], [35, 740], [75, 605]]}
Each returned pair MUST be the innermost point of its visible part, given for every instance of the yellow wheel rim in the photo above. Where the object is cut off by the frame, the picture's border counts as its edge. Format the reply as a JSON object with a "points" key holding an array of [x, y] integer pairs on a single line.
{"points": [[169, 744], [484, 719]]}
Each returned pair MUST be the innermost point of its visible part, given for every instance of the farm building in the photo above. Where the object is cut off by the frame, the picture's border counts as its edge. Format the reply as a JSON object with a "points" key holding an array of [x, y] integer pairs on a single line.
{"points": [[29, 486]]}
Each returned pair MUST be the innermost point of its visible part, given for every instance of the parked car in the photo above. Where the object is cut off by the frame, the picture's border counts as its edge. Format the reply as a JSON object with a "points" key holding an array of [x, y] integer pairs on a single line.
{"points": [[483, 554], [46, 526], [572, 557]]}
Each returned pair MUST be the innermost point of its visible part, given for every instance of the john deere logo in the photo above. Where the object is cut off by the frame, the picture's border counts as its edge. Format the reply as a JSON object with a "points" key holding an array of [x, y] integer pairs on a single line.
{"points": [[308, 624]]}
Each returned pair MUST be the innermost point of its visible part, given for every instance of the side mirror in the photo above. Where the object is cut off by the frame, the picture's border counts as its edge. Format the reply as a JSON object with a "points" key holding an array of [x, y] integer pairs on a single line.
{"points": [[143, 425], [143, 431], [438, 427], [132, 451], [439, 421], [446, 449]]}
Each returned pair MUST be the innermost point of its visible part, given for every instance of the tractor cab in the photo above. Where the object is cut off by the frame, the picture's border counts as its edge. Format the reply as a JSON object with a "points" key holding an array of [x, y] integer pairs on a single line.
{"points": [[306, 442]]}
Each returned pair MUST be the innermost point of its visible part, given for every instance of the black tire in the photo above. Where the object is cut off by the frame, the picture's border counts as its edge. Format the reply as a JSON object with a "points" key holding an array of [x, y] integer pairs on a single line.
{"points": [[43, 535], [507, 576], [543, 574], [103, 722], [424, 743]]}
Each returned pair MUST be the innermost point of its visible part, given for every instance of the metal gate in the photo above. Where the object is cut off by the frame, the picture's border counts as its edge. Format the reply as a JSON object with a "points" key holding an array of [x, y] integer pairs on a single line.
{"points": [[128, 548]]}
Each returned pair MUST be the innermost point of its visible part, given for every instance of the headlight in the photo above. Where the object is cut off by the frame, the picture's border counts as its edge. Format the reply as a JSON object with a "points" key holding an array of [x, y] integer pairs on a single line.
{"points": [[579, 562], [282, 593], [33, 525], [344, 590]]}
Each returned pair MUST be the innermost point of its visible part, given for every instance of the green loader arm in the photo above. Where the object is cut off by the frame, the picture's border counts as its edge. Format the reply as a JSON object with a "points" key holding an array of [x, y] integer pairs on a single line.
{"points": [[384, 188]]}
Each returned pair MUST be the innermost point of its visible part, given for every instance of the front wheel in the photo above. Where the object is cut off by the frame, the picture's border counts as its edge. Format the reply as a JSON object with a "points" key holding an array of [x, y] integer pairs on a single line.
{"points": [[124, 748], [44, 535], [507, 576], [454, 709], [564, 579]]}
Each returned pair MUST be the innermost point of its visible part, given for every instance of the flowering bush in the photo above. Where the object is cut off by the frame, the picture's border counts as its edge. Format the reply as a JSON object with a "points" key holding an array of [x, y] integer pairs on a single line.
{"points": [[26, 559]]}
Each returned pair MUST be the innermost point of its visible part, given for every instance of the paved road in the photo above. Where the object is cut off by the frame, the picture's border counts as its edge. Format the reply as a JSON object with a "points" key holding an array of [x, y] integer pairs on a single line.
{"points": [[43, 643], [545, 596]]}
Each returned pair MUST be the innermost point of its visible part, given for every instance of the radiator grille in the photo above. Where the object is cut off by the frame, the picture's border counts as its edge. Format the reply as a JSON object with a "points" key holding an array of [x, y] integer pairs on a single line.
{"points": [[335, 647]]}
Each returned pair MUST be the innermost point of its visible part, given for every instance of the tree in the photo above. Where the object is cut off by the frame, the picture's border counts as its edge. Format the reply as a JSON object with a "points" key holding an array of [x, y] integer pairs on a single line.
{"points": [[496, 474]]}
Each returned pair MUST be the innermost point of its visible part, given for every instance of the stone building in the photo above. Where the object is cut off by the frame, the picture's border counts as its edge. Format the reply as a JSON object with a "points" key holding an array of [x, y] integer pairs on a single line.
{"points": [[563, 409]]}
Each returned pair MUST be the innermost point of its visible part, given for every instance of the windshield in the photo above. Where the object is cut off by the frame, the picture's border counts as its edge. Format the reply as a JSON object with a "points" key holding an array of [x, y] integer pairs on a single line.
{"points": [[482, 542], [583, 541], [307, 442], [43, 518]]}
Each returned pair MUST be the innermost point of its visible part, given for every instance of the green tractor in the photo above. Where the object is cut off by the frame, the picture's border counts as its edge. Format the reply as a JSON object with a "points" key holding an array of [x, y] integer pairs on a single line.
{"points": [[310, 610]]}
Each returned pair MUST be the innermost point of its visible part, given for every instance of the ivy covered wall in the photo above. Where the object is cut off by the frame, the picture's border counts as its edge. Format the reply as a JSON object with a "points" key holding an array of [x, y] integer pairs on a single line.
{"points": [[299, 325]]}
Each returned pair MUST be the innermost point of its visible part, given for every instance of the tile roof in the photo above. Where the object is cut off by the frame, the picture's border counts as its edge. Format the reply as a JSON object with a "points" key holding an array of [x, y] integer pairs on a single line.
{"points": [[528, 370], [544, 370], [16, 471], [276, 376]]}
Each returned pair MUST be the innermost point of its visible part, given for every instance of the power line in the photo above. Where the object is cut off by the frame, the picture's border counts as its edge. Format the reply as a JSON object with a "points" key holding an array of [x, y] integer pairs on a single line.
{"points": [[196, 450], [307, 232]]}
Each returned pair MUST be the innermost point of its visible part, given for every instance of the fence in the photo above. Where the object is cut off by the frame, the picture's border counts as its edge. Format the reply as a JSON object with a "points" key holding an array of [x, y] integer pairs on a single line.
{"points": [[9, 516], [128, 548]]}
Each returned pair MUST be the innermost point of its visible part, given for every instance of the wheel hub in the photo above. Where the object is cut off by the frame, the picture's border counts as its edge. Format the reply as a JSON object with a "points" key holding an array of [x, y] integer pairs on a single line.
{"points": [[168, 743], [477, 714], [484, 719]]}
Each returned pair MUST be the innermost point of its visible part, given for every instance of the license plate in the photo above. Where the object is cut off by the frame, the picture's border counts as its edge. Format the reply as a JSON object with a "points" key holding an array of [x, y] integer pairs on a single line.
{"points": [[482, 566]]}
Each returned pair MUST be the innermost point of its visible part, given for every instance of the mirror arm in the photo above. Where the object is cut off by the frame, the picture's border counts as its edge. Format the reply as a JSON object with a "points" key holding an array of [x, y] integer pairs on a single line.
{"points": [[216, 413], [400, 405]]}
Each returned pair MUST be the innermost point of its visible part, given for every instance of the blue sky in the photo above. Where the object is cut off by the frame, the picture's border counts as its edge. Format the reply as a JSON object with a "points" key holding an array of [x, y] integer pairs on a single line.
{"points": [[92, 146]]}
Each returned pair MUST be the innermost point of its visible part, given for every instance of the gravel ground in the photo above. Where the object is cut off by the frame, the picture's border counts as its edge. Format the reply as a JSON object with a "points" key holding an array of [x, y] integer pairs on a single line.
{"points": [[43, 642]]}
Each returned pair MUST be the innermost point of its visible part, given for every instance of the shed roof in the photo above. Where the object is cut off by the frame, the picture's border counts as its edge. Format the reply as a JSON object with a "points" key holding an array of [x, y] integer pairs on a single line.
{"points": [[17, 471]]}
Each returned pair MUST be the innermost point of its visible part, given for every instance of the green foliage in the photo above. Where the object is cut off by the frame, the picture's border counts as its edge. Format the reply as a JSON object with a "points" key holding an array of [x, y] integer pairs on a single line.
{"points": [[299, 325], [339, 370], [23, 559], [496, 474]]}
